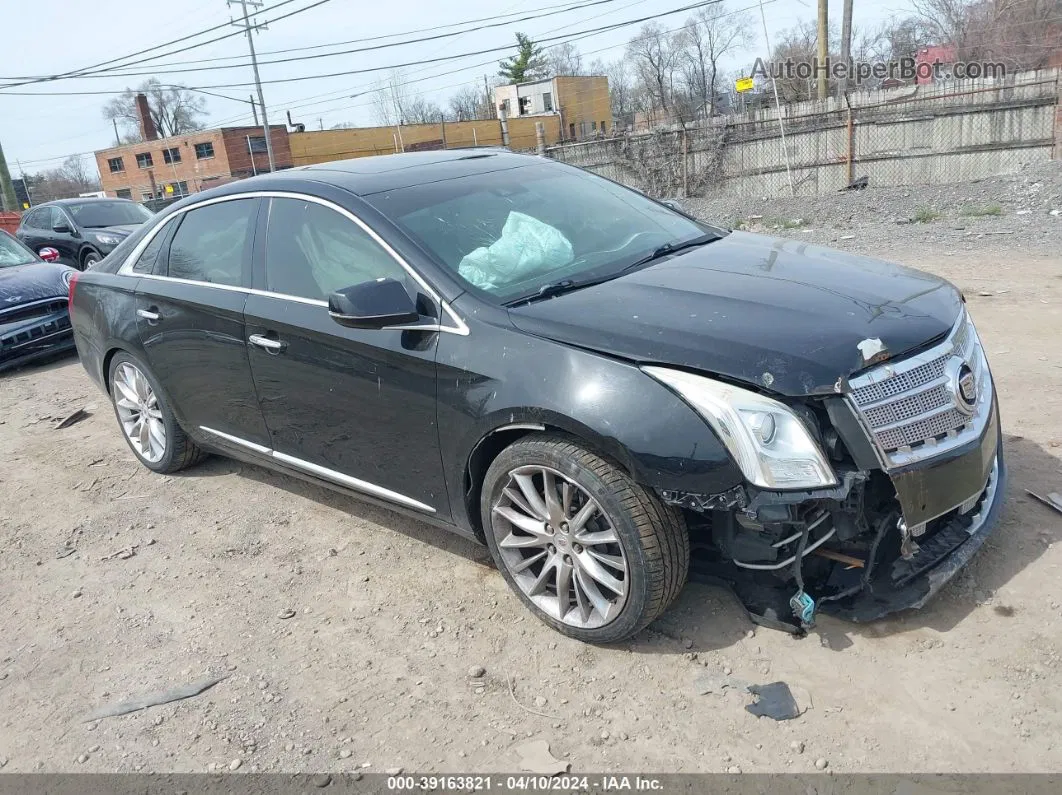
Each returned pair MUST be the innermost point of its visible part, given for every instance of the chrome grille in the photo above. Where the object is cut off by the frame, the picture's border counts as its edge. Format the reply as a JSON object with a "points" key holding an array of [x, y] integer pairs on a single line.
{"points": [[909, 407]]}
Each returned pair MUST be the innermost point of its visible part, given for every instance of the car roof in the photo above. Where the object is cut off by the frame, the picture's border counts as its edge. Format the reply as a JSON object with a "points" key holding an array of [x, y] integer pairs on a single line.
{"points": [[86, 200], [368, 175]]}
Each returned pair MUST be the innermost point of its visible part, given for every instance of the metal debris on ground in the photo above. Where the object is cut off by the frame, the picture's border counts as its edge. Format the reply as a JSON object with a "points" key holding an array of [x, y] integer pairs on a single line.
{"points": [[1052, 500], [535, 757], [155, 699], [122, 554], [72, 419], [773, 701]]}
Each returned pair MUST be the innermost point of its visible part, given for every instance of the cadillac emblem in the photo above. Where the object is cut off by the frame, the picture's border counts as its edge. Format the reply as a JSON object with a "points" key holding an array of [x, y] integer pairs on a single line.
{"points": [[963, 385]]}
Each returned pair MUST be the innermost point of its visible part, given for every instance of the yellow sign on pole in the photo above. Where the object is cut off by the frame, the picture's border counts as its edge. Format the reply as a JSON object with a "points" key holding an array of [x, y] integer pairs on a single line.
{"points": [[25, 205], [745, 84], [169, 188]]}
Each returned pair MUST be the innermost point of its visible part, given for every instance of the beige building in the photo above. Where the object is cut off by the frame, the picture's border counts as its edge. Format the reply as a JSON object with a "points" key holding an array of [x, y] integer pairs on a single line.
{"points": [[581, 104]]}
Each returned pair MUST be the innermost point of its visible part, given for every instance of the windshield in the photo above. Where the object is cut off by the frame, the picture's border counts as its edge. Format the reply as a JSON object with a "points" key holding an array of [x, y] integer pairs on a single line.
{"points": [[510, 233], [13, 253], [99, 214]]}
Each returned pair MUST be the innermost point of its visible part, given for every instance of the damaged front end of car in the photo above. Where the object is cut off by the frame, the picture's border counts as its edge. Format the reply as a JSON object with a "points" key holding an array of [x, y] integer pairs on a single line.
{"points": [[914, 486]]}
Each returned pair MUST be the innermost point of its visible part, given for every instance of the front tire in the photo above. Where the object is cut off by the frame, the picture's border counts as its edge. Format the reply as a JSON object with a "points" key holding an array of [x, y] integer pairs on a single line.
{"points": [[589, 551], [147, 422], [90, 259]]}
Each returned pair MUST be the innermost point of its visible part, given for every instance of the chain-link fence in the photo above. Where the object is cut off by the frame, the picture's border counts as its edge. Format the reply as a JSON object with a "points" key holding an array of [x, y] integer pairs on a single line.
{"points": [[950, 132]]}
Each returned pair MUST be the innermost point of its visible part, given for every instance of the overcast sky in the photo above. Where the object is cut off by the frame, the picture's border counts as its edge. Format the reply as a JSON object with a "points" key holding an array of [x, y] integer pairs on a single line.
{"points": [[64, 35]]}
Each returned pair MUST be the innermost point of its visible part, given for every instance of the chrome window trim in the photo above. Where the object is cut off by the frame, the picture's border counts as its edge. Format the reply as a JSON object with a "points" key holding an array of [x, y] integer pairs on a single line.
{"points": [[962, 341], [460, 327], [324, 472]]}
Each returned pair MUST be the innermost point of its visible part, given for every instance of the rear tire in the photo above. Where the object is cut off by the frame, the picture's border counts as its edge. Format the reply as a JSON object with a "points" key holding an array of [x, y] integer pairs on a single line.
{"points": [[601, 559], [146, 420]]}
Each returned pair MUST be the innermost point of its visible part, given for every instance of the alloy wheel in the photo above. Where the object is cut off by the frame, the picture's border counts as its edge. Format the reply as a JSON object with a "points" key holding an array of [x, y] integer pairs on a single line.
{"points": [[560, 547], [139, 412]]}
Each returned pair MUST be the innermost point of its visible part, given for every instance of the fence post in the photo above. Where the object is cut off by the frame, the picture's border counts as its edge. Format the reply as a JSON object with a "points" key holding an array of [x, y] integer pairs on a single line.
{"points": [[540, 138], [851, 145], [504, 122], [685, 165]]}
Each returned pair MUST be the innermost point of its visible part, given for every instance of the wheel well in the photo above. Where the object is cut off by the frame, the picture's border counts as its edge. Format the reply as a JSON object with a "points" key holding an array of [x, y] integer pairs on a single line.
{"points": [[107, 368], [479, 462], [85, 252], [491, 446]]}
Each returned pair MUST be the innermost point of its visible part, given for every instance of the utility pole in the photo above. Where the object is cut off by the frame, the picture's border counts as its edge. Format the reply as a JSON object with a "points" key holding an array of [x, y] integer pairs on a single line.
{"points": [[25, 184], [486, 93], [824, 46], [249, 28], [117, 137], [846, 44], [254, 111], [7, 187]]}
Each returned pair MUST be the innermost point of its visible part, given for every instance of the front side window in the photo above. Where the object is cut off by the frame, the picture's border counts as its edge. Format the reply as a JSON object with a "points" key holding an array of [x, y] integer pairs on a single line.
{"points": [[171, 155], [312, 250], [143, 160], [204, 151], [511, 232], [212, 244], [116, 165]]}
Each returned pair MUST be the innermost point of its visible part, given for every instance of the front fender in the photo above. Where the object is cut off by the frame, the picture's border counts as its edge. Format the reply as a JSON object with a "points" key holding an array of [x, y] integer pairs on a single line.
{"points": [[500, 377]]}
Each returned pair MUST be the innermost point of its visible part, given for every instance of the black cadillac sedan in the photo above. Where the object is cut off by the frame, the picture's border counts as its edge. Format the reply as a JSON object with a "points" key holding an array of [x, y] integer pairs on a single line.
{"points": [[33, 314], [603, 390]]}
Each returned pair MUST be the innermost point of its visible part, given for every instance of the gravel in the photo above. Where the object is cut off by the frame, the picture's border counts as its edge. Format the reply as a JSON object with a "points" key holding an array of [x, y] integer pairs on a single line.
{"points": [[1020, 211]]}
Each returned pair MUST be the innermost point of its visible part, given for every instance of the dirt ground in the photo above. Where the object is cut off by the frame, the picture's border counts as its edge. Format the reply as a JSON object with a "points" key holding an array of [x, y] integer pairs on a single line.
{"points": [[391, 615]]}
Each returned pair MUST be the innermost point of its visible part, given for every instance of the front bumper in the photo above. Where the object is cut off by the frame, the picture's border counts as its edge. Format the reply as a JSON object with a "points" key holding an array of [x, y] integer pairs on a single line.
{"points": [[38, 338], [907, 585]]}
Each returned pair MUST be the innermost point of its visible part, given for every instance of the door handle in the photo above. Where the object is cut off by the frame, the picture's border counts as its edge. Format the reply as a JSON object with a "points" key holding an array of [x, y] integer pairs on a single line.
{"points": [[271, 345], [148, 315]]}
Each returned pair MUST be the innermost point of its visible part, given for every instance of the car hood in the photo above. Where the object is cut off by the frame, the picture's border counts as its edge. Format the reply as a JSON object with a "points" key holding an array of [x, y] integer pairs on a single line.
{"points": [[20, 284], [122, 230], [782, 314]]}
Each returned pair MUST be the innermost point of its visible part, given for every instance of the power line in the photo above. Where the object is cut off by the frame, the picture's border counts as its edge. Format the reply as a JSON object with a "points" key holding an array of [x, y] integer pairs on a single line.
{"points": [[372, 48], [86, 72]]}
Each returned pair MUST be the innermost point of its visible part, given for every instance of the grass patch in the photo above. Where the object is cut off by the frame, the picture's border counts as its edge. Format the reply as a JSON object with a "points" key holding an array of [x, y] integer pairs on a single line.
{"points": [[925, 215], [982, 212]]}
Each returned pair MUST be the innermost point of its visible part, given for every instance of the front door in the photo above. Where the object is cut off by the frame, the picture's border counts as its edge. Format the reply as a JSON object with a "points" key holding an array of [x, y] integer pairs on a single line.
{"points": [[356, 407], [189, 306]]}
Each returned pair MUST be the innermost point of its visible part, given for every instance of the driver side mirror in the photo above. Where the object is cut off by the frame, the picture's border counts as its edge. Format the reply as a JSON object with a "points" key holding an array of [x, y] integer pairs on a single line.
{"points": [[373, 305], [62, 228]]}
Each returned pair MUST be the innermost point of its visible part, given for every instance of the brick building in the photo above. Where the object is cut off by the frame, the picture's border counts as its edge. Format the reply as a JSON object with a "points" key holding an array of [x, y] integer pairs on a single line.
{"points": [[183, 164]]}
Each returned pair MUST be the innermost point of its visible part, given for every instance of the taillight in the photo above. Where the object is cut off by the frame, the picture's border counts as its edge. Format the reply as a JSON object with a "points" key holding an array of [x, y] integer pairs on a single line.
{"points": [[71, 285]]}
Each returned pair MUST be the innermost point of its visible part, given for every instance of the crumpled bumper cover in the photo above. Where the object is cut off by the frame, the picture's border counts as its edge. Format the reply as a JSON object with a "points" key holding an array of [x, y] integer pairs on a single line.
{"points": [[882, 596], [24, 342]]}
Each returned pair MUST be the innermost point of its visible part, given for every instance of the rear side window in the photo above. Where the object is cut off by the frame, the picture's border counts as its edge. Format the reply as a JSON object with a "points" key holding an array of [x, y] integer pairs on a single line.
{"points": [[213, 244], [145, 263]]}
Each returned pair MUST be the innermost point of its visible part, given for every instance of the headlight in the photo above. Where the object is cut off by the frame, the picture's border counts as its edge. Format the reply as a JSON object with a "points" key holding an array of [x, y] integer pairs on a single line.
{"points": [[768, 441], [108, 240]]}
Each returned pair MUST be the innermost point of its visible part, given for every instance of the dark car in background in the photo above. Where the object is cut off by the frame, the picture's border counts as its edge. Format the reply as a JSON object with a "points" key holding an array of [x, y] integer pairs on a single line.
{"points": [[598, 387], [83, 231], [34, 321]]}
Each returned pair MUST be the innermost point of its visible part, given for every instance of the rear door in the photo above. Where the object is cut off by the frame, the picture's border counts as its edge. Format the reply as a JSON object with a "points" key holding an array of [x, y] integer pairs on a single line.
{"points": [[29, 232], [354, 406], [190, 318]]}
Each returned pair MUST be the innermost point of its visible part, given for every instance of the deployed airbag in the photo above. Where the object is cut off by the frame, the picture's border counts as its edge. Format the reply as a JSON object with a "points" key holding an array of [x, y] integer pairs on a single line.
{"points": [[526, 246]]}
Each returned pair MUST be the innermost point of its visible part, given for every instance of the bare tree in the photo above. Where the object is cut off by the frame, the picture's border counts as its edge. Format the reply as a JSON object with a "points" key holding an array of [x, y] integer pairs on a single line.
{"points": [[422, 111], [621, 88], [390, 99], [174, 110], [563, 60], [707, 37], [654, 58], [468, 103]]}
